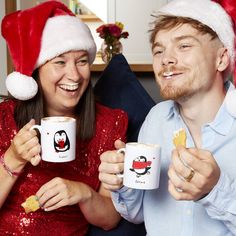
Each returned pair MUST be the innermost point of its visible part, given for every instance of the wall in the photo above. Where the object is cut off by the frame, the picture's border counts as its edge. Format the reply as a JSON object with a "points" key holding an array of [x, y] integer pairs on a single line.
{"points": [[149, 83], [3, 57], [136, 16]]}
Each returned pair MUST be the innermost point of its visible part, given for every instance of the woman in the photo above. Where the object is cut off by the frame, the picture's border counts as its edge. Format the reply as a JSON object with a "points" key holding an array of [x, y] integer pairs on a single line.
{"points": [[52, 51]]}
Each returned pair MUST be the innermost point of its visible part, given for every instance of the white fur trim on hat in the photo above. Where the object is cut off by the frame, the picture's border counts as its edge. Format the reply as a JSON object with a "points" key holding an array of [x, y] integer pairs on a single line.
{"points": [[21, 86], [63, 34], [208, 13]]}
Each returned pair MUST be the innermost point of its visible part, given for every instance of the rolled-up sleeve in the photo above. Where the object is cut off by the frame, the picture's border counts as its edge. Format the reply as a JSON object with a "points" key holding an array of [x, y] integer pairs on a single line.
{"points": [[220, 203], [129, 203]]}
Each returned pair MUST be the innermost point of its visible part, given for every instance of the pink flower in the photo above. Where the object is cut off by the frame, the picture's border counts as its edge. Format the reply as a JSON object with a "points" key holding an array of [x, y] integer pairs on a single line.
{"points": [[112, 32], [124, 35], [115, 30]]}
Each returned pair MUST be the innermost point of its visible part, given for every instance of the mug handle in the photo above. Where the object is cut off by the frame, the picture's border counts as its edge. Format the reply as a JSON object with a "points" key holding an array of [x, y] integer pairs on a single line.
{"points": [[120, 175], [38, 127]]}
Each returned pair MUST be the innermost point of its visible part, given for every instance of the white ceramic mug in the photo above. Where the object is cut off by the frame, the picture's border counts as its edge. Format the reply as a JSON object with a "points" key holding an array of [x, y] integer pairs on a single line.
{"points": [[58, 137], [141, 166]]}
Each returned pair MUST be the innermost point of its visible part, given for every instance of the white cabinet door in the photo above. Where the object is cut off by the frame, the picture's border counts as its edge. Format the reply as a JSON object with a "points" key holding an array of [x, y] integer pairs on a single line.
{"points": [[136, 16]]}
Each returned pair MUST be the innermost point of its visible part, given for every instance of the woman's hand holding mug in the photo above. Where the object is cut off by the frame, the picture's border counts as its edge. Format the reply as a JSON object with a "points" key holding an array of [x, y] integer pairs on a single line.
{"points": [[24, 148], [58, 136]]}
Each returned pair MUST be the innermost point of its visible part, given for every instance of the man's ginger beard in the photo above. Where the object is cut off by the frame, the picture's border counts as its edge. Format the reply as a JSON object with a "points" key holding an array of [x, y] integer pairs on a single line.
{"points": [[170, 90], [173, 93]]}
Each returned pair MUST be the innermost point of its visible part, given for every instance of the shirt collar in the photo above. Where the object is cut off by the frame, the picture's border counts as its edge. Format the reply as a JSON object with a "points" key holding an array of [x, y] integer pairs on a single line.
{"points": [[173, 111], [223, 121]]}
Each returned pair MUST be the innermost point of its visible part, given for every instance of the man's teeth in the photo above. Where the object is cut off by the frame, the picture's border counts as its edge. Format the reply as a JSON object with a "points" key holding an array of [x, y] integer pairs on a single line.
{"points": [[168, 73], [70, 87]]}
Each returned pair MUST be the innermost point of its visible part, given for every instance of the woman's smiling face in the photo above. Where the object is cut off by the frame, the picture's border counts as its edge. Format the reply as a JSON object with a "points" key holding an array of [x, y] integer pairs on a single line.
{"points": [[64, 80]]}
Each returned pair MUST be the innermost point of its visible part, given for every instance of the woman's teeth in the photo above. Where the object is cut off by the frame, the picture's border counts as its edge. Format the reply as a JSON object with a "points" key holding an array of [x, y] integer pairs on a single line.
{"points": [[69, 87]]}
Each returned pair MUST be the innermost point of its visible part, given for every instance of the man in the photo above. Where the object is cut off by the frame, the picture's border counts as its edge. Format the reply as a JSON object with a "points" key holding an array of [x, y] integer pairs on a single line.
{"points": [[193, 56]]}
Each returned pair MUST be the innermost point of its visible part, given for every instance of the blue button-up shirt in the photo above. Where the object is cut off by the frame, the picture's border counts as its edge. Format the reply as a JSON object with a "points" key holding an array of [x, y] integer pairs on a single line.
{"points": [[163, 215]]}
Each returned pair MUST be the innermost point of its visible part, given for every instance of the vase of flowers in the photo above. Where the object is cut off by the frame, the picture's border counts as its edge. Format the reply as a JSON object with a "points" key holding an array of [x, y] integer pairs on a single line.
{"points": [[111, 33], [109, 50]]}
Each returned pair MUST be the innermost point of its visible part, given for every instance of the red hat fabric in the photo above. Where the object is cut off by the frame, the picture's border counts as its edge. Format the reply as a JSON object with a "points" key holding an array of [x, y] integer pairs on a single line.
{"points": [[37, 35], [230, 8]]}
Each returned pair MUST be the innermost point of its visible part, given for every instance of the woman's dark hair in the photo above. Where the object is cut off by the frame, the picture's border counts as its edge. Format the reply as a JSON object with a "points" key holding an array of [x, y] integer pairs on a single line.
{"points": [[35, 108]]}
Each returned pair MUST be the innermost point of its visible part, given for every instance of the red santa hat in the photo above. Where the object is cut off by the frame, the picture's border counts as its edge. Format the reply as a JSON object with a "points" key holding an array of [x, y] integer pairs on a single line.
{"points": [[37, 35]]}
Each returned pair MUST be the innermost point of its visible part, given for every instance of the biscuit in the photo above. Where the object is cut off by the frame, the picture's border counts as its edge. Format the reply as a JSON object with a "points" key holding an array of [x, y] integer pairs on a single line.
{"points": [[31, 204], [180, 138]]}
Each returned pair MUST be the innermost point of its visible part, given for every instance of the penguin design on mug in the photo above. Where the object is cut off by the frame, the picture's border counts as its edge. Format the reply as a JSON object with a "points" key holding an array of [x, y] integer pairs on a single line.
{"points": [[141, 166], [61, 141]]}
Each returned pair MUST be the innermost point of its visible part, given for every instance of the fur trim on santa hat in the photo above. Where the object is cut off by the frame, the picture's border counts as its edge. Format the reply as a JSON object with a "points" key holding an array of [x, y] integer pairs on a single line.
{"points": [[209, 13], [62, 34]]}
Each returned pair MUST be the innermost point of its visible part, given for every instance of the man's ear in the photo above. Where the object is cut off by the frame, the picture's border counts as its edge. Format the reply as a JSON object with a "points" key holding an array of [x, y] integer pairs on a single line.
{"points": [[223, 60]]}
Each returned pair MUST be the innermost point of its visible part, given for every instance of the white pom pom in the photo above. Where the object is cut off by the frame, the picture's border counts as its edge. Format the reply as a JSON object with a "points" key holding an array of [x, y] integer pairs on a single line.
{"points": [[21, 86], [230, 101]]}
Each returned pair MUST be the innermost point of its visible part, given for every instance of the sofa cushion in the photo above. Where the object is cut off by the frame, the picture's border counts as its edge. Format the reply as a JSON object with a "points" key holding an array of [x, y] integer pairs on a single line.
{"points": [[118, 87]]}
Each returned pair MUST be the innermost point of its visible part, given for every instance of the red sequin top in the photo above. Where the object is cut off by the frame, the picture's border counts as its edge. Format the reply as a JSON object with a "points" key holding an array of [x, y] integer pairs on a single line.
{"points": [[111, 124]]}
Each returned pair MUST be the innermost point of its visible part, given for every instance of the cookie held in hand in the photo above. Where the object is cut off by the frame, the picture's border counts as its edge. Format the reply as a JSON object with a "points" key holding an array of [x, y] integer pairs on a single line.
{"points": [[31, 204], [180, 138]]}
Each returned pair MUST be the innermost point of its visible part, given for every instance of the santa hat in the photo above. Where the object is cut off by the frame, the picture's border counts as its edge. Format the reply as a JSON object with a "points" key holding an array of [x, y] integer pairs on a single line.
{"points": [[37, 35]]}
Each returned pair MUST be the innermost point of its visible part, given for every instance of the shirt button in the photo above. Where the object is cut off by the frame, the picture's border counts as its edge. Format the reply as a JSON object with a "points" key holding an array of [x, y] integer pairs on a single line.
{"points": [[188, 212]]}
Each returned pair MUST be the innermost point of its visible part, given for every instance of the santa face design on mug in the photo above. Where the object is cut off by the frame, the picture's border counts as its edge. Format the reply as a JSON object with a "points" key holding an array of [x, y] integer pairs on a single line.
{"points": [[61, 141], [141, 166]]}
